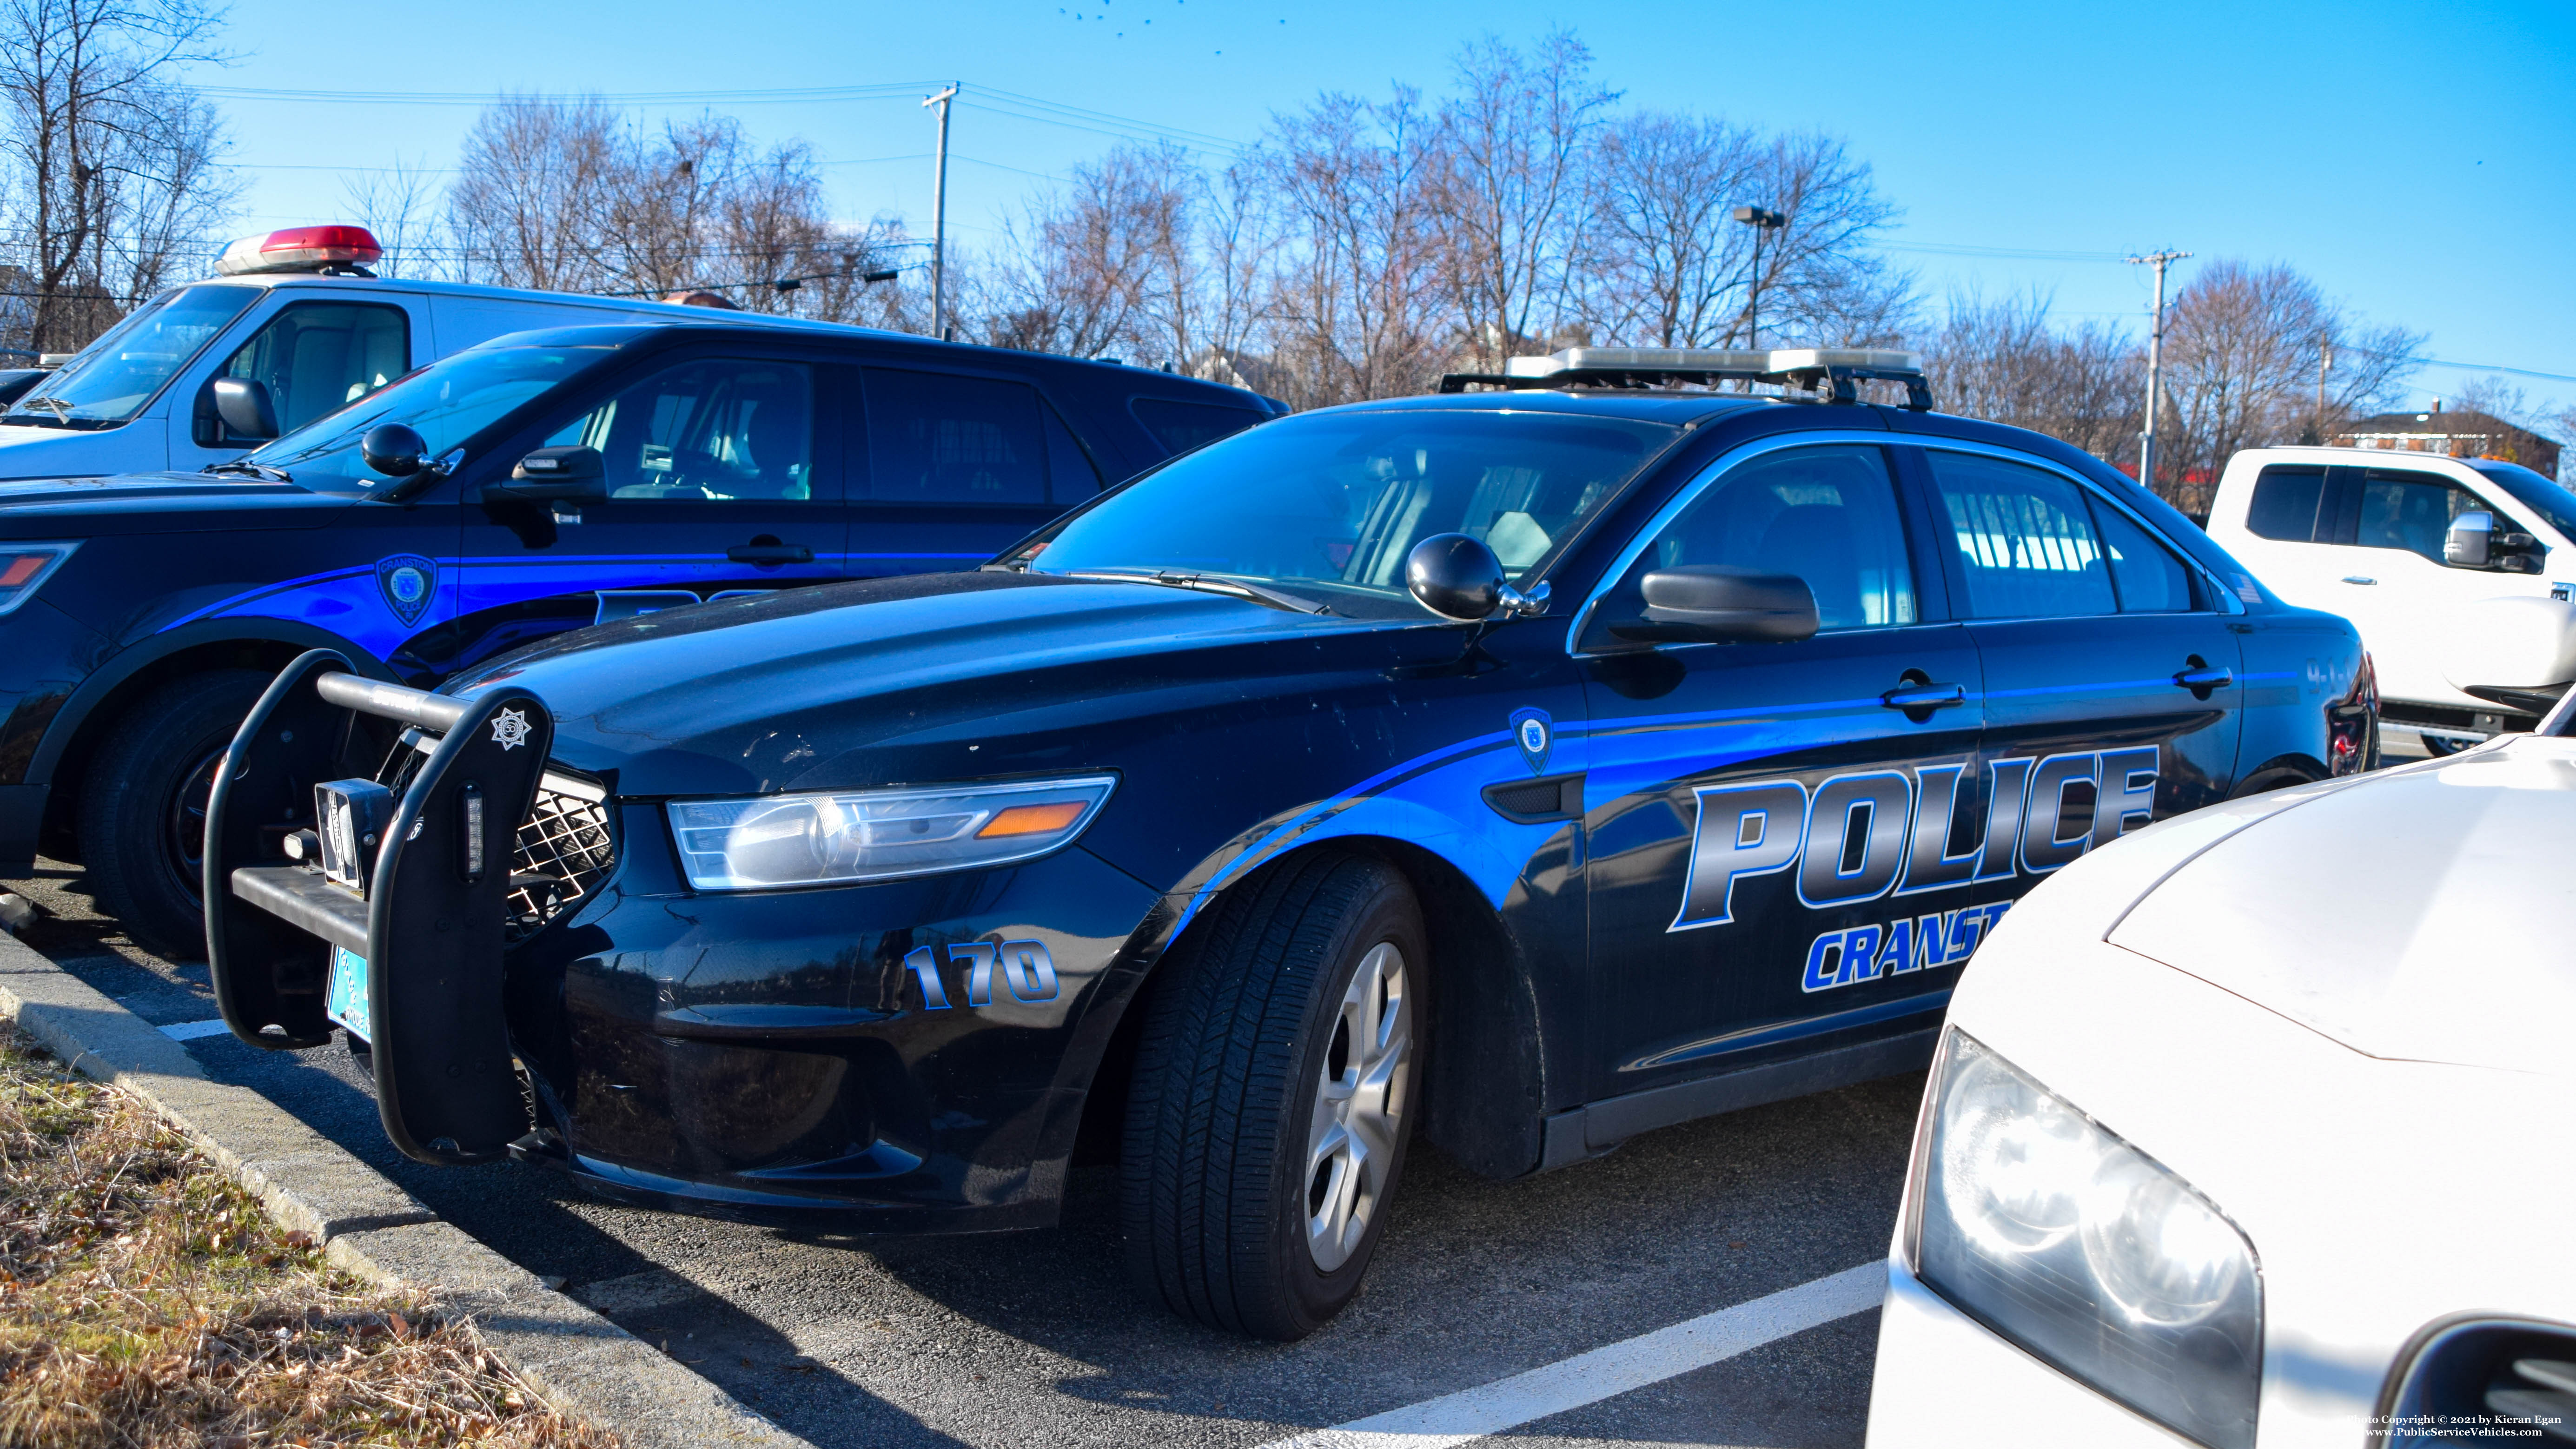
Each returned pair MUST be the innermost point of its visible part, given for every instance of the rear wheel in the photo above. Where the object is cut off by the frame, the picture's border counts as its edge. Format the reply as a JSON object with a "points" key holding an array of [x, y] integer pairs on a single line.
{"points": [[143, 806], [1274, 1096]]}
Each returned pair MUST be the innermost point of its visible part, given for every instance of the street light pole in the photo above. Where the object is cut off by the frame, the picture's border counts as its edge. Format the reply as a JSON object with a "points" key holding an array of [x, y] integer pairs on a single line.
{"points": [[1761, 219], [2155, 364], [939, 220]]}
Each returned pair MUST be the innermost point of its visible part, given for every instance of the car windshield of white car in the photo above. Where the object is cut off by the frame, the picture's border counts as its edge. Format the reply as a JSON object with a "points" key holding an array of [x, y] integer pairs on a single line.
{"points": [[113, 378], [2555, 505], [1327, 506], [447, 403]]}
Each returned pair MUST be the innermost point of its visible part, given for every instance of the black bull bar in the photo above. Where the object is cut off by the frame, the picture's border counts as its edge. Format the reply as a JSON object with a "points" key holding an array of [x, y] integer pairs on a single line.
{"points": [[428, 915]]}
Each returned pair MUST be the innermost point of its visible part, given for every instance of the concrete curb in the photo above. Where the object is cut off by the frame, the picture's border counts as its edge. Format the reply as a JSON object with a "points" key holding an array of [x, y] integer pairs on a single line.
{"points": [[583, 1364]]}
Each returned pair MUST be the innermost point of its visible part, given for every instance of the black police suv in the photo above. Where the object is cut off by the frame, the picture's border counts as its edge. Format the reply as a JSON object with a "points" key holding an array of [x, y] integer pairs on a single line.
{"points": [[1529, 767], [539, 482]]}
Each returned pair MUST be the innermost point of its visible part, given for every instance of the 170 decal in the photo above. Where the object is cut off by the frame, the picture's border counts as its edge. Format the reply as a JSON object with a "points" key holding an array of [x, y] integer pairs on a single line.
{"points": [[1026, 969], [1860, 836]]}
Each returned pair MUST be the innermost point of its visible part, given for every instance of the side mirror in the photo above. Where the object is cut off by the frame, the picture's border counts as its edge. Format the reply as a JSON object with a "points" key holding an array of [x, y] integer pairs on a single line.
{"points": [[2516, 651], [394, 449], [2471, 541], [1458, 577], [1717, 604], [244, 406], [554, 475]]}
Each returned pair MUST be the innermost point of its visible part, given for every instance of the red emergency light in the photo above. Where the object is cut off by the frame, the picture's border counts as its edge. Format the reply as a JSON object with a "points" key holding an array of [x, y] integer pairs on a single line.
{"points": [[301, 249]]}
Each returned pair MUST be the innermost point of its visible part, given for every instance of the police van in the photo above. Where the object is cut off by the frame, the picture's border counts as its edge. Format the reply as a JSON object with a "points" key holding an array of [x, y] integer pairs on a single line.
{"points": [[534, 482], [1589, 748]]}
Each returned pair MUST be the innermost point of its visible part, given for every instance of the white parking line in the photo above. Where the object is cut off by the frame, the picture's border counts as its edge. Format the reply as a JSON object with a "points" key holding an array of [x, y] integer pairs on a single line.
{"points": [[191, 1030], [1588, 1378]]}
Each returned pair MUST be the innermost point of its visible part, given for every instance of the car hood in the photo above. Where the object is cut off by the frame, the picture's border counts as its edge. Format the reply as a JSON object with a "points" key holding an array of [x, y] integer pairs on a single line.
{"points": [[2419, 914], [159, 502], [929, 677]]}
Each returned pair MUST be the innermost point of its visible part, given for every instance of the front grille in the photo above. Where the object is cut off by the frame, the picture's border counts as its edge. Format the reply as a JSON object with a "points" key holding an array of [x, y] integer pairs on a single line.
{"points": [[564, 852], [2479, 1373], [565, 846]]}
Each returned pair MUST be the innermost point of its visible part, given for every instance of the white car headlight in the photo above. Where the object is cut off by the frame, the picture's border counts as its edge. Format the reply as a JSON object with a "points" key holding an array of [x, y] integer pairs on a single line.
{"points": [[834, 839], [2090, 1254]]}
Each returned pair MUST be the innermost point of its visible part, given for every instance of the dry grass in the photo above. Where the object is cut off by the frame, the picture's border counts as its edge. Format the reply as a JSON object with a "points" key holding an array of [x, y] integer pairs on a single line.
{"points": [[147, 1301]]}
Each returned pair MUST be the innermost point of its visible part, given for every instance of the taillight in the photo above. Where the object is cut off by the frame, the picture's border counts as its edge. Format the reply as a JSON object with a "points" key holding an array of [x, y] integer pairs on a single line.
{"points": [[2352, 723], [25, 566]]}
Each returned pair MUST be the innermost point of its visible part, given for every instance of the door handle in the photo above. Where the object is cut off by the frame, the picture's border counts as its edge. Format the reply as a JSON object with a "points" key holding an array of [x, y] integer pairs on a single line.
{"points": [[1911, 697], [2201, 678], [2358, 579], [769, 552]]}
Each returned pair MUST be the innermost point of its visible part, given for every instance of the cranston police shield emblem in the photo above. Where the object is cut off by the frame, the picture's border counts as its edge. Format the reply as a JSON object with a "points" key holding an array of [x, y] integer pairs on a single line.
{"points": [[407, 580], [1535, 733]]}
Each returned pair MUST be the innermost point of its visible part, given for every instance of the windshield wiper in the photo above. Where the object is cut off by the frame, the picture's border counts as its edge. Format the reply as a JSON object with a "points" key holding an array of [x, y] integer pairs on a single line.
{"points": [[261, 471], [62, 417], [1202, 583]]}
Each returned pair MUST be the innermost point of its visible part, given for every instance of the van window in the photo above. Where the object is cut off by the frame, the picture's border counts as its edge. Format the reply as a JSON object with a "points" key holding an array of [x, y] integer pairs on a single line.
{"points": [[2285, 504], [1181, 426], [940, 438], [316, 356]]}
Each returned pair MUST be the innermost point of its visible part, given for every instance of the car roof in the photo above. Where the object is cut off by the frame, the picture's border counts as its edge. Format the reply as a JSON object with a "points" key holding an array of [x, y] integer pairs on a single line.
{"points": [[607, 306], [1640, 404]]}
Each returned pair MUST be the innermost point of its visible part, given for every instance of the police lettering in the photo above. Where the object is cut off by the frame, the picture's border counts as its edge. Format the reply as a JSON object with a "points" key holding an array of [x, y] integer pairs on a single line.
{"points": [[1912, 943], [1864, 835]]}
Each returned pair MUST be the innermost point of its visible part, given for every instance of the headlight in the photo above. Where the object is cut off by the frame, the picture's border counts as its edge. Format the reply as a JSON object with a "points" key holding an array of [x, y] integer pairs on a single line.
{"points": [[25, 566], [2085, 1251], [795, 840]]}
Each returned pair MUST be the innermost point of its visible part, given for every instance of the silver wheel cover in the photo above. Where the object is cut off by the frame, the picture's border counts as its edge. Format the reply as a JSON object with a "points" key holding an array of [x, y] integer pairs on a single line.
{"points": [[1359, 1105]]}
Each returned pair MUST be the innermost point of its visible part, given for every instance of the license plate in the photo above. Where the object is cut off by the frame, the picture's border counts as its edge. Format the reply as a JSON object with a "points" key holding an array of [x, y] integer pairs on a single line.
{"points": [[347, 1002]]}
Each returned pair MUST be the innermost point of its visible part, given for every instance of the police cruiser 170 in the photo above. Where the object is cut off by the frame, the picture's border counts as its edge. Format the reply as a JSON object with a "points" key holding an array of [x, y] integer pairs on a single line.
{"points": [[1582, 750], [549, 479]]}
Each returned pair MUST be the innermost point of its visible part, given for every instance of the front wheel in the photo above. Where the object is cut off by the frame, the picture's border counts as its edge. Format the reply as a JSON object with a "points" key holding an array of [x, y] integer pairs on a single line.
{"points": [[1273, 1098], [143, 806]]}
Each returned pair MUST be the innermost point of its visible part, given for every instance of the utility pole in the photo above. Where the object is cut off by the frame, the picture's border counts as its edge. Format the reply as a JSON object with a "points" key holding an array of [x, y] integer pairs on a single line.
{"points": [[939, 220], [1761, 219], [2155, 364], [2325, 364]]}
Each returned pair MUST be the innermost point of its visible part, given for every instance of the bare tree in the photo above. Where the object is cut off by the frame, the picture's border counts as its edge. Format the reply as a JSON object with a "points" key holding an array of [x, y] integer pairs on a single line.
{"points": [[1354, 306], [529, 188], [399, 205], [1082, 269], [1667, 261], [1509, 153], [114, 168], [2007, 362], [2246, 354]]}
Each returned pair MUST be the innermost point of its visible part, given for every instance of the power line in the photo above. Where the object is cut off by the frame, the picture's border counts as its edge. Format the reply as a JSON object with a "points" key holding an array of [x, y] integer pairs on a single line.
{"points": [[1962, 249]]}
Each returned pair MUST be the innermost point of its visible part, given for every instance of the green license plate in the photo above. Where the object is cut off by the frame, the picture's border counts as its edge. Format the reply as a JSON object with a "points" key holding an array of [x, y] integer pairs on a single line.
{"points": [[347, 1002]]}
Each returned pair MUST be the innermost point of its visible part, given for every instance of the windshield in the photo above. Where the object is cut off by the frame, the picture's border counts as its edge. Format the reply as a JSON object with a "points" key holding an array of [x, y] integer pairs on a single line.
{"points": [[447, 403], [113, 378], [2555, 505], [1326, 506]]}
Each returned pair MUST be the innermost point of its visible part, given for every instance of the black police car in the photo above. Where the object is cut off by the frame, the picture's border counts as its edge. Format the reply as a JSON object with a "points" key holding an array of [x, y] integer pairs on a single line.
{"points": [[551, 480], [1187, 831]]}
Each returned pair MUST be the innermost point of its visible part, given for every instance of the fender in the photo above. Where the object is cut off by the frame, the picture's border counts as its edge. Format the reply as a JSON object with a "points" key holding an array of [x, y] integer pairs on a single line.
{"points": [[120, 668]]}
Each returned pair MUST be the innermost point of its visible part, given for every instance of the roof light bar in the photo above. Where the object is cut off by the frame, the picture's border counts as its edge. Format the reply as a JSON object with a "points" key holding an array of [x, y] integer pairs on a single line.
{"points": [[300, 249], [1831, 371]]}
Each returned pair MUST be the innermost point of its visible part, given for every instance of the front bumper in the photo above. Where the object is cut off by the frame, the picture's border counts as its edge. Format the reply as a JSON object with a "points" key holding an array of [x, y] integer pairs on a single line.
{"points": [[1944, 1379], [771, 1055]]}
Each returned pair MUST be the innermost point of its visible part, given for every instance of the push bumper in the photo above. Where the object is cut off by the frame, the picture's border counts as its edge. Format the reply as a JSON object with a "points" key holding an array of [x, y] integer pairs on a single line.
{"points": [[765, 1055], [1944, 1379]]}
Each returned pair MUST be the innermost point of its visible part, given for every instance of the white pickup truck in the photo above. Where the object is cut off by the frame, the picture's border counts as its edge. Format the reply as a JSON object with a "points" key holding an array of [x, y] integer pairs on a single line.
{"points": [[2398, 543]]}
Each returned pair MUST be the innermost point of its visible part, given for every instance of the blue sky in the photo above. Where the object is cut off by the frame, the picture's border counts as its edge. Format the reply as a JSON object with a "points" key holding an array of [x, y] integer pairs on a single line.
{"points": [[2418, 160]]}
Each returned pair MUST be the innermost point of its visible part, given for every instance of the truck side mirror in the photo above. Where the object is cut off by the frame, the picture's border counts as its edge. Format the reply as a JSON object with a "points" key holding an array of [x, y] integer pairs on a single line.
{"points": [[2516, 651], [243, 404], [1719, 604], [553, 475], [2470, 544]]}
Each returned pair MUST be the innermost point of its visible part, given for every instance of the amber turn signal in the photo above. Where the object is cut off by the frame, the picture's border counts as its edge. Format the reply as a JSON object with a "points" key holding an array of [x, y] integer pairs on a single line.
{"points": [[1033, 819]]}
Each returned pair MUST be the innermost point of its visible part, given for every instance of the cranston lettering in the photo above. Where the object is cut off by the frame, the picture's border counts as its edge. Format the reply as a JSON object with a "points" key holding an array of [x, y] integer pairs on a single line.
{"points": [[1025, 967], [1909, 943], [1873, 833]]}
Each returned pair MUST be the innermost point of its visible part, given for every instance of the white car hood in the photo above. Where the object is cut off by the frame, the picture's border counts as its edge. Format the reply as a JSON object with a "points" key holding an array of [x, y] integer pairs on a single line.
{"points": [[2424, 914]]}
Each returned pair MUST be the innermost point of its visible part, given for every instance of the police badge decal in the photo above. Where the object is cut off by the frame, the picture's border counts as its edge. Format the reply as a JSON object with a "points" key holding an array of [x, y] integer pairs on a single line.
{"points": [[1535, 733], [407, 580]]}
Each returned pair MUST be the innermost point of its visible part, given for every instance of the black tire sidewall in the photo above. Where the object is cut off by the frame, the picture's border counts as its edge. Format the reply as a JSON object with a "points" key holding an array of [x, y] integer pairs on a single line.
{"points": [[129, 788], [1313, 1296]]}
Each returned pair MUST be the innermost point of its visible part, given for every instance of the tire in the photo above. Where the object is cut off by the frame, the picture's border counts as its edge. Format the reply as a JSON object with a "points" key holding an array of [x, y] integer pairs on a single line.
{"points": [[1254, 1188], [142, 816]]}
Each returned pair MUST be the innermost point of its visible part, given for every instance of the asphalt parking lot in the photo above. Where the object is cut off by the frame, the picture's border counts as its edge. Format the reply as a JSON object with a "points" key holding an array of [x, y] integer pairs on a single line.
{"points": [[1037, 1337]]}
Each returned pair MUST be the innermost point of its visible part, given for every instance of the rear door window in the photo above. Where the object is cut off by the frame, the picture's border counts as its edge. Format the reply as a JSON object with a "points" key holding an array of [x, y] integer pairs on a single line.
{"points": [[942, 438], [1181, 426], [2144, 573], [2027, 545]]}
